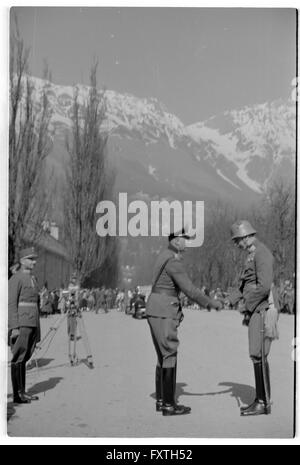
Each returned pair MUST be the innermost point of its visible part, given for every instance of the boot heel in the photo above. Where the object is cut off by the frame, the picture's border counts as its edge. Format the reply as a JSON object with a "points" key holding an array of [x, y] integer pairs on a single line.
{"points": [[268, 409], [159, 405]]}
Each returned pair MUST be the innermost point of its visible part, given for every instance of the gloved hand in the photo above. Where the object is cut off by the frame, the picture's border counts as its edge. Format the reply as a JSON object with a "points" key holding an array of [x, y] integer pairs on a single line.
{"points": [[241, 306], [246, 319], [14, 336]]}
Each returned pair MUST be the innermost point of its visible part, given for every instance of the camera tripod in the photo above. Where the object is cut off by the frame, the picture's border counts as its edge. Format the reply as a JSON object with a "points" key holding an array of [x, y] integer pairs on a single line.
{"points": [[74, 322]]}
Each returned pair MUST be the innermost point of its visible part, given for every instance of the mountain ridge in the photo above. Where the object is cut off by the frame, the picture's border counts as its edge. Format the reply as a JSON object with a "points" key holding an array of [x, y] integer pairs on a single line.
{"points": [[237, 152]]}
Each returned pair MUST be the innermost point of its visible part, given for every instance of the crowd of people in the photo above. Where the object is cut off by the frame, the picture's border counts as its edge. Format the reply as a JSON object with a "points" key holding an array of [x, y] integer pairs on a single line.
{"points": [[103, 299], [286, 293], [95, 300]]}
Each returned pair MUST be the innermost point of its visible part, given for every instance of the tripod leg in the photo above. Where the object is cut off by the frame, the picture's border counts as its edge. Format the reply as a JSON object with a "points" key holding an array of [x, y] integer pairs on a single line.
{"points": [[70, 349], [75, 358], [47, 339], [86, 343], [72, 337]]}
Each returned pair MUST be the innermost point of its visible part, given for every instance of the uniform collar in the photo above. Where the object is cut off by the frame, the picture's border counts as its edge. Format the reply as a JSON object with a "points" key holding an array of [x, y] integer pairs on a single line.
{"points": [[172, 248], [253, 246], [26, 271], [175, 251]]}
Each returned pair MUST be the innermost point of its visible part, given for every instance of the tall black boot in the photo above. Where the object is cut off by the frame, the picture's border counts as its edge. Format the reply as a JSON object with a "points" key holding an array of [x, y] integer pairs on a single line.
{"points": [[264, 387], [174, 386], [169, 406], [174, 381], [17, 385], [268, 383], [26, 395], [158, 388], [261, 405], [247, 407]]}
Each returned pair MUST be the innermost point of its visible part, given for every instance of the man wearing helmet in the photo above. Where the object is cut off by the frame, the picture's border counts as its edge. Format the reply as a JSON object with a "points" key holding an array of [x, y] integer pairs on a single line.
{"points": [[254, 290]]}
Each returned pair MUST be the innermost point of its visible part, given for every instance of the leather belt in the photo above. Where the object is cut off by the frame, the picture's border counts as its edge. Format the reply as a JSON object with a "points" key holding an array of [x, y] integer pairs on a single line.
{"points": [[161, 290], [27, 304]]}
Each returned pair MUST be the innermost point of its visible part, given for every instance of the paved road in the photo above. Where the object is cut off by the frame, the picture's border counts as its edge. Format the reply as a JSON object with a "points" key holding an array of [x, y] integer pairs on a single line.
{"points": [[116, 399]]}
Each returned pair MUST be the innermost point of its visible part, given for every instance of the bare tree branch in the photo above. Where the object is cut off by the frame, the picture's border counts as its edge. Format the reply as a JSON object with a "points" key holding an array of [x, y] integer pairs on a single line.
{"points": [[88, 181], [29, 145]]}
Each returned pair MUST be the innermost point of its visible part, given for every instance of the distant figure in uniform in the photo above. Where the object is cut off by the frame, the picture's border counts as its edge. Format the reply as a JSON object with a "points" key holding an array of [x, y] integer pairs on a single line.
{"points": [[259, 302], [23, 322], [91, 300], [46, 306], [139, 304], [73, 306], [62, 299], [106, 300], [55, 301], [120, 300], [101, 299], [164, 314]]}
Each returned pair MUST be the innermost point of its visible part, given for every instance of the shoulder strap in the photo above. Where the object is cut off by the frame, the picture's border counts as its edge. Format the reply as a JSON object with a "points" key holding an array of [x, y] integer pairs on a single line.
{"points": [[160, 272]]}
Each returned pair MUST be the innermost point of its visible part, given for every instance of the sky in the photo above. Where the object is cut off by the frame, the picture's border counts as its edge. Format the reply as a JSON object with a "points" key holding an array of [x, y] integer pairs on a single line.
{"points": [[197, 61]]}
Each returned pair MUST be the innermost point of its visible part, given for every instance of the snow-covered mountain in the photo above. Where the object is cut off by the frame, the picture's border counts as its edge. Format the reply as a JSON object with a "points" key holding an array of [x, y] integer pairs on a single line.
{"points": [[232, 155], [258, 140]]}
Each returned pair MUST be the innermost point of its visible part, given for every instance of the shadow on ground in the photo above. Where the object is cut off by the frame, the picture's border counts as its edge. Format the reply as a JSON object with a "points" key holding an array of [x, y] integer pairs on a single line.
{"points": [[45, 385], [35, 389], [11, 410], [41, 362], [243, 393]]}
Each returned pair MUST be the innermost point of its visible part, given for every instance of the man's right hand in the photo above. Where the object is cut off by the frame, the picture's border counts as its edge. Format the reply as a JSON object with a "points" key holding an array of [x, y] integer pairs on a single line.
{"points": [[227, 302], [217, 304]]}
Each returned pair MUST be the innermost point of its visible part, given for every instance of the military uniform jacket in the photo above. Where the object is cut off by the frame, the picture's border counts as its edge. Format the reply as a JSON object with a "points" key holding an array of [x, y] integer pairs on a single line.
{"points": [[173, 278], [256, 279], [23, 301]]}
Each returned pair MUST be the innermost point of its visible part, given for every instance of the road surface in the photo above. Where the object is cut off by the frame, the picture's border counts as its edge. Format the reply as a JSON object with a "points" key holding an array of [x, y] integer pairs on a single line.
{"points": [[116, 398]]}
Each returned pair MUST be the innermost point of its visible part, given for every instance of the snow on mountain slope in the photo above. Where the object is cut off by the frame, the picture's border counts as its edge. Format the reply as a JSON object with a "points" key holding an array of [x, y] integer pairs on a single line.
{"points": [[239, 150], [258, 140], [125, 113]]}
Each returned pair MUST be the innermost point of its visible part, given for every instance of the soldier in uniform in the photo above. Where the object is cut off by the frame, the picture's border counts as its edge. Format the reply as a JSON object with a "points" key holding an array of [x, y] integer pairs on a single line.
{"points": [[23, 322], [164, 314], [254, 292]]}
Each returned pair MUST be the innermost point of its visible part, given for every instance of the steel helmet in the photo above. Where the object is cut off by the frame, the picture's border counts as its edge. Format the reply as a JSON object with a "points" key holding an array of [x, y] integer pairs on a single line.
{"points": [[241, 228]]}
